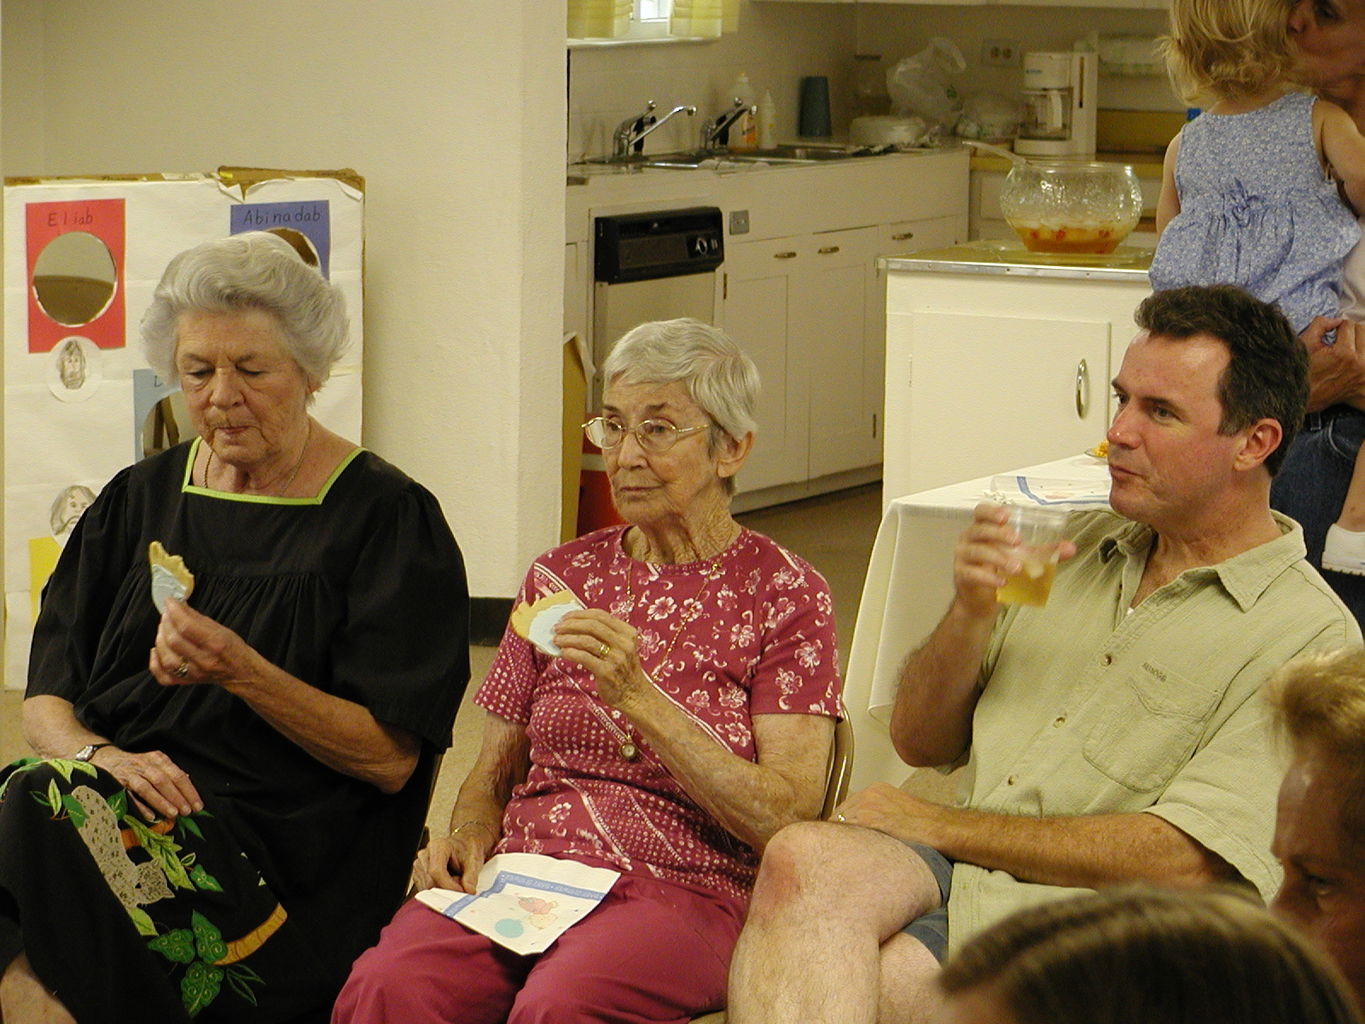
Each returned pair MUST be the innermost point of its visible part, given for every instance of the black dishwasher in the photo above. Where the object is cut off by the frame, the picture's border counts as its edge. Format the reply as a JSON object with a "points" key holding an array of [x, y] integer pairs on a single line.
{"points": [[656, 265]]}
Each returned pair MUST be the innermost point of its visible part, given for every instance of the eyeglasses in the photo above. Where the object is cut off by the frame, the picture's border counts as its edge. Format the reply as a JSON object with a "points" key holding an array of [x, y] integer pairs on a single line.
{"points": [[654, 435]]}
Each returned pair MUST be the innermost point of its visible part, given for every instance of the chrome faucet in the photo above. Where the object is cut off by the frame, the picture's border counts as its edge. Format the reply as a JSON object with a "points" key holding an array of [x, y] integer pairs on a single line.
{"points": [[712, 130], [632, 131]]}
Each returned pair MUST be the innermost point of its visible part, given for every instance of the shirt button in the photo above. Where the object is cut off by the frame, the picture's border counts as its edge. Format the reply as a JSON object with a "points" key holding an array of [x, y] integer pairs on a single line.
{"points": [[1058, 721], [1011, 780], [1107, 660]]}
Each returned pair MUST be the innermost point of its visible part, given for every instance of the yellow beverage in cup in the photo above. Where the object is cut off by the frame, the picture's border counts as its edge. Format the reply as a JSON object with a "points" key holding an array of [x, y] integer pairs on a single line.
{"points": [[1032, 583], [1040, 533]]}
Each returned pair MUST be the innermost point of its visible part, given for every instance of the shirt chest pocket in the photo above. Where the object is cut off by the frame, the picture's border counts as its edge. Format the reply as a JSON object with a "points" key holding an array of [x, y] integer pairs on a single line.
{"points": [[1147, 726]]}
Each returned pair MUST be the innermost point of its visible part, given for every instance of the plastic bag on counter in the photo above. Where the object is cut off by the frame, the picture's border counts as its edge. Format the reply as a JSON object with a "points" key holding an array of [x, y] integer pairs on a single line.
{"points": [[920, 85], [989, 117]]}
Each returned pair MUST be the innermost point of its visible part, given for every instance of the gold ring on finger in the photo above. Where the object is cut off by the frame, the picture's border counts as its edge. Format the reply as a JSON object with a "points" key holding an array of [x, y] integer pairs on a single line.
{"points": [[603, 649], [182, 670]]}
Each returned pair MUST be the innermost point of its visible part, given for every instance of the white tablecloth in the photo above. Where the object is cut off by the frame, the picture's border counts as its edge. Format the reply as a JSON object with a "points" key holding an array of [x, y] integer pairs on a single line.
{"points": [[909, 584]]}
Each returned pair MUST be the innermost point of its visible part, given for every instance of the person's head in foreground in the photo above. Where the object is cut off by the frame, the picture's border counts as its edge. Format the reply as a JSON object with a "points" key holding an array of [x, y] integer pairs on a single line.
{"points": [[1143, 956]]}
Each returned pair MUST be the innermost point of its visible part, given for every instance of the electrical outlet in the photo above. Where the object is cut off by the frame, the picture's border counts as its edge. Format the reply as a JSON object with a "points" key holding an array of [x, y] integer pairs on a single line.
{"points": [[1001, 53]]}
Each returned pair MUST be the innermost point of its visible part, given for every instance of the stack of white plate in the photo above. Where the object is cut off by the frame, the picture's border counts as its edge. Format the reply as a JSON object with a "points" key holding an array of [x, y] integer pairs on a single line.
{"points": [[887, 130]]}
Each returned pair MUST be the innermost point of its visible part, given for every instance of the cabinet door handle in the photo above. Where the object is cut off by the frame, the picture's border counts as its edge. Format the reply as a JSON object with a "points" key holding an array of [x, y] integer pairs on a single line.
{"points": [[1082, 389], [825, 250], [904, 236], [784, 255]]}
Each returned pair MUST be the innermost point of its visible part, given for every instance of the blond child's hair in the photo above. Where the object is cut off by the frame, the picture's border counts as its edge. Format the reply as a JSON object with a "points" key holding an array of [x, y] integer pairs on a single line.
{"points": [[1228, 49]]}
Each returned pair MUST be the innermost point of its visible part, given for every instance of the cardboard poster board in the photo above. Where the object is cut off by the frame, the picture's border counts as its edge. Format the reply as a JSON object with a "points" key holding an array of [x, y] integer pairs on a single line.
{"points": [[82, 257]]}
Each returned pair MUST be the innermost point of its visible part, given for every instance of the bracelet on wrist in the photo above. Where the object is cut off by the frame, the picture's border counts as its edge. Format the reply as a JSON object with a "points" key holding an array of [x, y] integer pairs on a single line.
{"points": [[472, 822]]}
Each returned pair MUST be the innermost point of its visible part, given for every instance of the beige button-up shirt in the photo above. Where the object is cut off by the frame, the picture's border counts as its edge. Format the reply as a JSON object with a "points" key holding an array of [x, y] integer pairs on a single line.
{"points": [[1090, 707]]}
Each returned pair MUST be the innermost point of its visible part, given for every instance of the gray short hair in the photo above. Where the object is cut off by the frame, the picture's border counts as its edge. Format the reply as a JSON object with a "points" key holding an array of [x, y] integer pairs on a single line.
{"points": [[716, 372], [252, 270]]}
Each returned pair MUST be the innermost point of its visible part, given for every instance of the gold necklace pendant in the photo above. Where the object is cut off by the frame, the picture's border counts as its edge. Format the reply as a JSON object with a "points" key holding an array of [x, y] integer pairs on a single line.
{"points": [[627, 748]]}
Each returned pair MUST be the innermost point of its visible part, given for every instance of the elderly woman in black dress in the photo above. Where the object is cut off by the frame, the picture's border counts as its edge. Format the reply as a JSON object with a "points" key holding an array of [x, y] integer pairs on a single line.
{"points": [[231, 784]]}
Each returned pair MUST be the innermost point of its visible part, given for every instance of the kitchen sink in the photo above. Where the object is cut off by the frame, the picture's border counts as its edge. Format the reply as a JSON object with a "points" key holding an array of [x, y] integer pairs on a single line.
{"points": [[806, 154], [693, 158]]}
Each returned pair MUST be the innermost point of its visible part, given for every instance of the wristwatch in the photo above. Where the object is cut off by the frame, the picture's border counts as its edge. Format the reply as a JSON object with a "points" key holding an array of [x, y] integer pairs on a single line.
{"points": [[88, 751]]}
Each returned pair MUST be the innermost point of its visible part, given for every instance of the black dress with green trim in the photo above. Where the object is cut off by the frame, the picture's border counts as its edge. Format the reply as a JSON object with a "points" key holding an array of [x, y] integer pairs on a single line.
{"points": [[254, 909]]}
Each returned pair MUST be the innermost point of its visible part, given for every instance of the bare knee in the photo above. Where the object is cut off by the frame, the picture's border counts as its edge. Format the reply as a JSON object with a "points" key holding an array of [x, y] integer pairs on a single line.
{"points": [[23, 997], [796, 867]]}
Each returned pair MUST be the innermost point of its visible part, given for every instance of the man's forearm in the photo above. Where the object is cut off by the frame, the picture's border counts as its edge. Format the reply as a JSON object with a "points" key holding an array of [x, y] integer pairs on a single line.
{"points": [[931, 722], [1085, 850]]}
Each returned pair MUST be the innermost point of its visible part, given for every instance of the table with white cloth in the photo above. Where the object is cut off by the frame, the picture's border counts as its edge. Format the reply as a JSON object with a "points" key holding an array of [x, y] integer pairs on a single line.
{"points": [[909, 584]]}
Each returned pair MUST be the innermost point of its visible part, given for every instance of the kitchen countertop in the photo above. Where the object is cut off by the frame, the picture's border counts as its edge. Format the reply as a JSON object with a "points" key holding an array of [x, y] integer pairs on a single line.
{"points": [[1144, 164], [1127, 262], [582, 173]]}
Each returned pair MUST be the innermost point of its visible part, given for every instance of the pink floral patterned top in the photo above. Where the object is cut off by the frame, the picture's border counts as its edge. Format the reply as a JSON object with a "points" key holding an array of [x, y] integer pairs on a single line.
{"points": [[749, 632]]}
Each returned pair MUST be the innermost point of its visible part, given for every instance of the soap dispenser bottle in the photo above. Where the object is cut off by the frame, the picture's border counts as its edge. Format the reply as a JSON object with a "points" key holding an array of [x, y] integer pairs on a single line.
{"points": [[767, 121], [744, 131]]}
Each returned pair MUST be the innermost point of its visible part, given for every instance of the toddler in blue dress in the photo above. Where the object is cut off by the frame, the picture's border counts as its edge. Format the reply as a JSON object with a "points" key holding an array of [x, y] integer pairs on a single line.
{"points": [[1252, 189]]}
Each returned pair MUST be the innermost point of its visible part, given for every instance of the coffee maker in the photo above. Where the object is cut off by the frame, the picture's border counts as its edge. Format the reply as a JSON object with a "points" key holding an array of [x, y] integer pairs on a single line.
{"points": [[1059, 104]]}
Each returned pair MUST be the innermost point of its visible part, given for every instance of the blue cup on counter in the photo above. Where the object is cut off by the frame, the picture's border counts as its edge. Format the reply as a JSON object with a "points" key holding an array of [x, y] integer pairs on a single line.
{"points": [[814, 122]]}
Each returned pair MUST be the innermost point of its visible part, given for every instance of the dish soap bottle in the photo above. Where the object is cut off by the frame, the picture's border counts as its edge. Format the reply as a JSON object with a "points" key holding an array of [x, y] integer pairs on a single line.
{"points": [[743, 132], [767, 121]]}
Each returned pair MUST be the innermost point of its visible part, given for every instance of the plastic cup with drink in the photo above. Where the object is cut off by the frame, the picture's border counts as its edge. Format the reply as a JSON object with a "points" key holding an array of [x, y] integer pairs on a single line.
{"points": [[1041, 531]]}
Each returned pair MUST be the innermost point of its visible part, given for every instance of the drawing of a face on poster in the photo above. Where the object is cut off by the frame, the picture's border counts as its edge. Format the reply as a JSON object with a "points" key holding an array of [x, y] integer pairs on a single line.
{"points": [[75, 369], [67, 508]]}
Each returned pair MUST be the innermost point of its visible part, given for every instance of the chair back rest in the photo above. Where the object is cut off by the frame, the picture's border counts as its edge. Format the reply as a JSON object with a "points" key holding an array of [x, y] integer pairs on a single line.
{"points": [[840, 764]]}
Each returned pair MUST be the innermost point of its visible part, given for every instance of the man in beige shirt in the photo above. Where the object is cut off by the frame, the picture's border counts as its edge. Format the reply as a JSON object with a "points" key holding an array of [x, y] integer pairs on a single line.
{"points": [[1117, 734]]}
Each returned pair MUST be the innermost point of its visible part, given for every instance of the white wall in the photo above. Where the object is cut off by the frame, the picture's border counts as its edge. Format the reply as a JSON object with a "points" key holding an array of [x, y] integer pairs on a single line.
{"points": [[453, 112], [897, 31]]}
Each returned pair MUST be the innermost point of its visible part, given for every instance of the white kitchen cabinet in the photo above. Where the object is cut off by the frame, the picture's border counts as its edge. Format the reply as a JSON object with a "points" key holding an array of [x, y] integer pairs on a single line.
{"points": [[805, 310], [801, 292], [810, 309], [989, 368], [899, 239], [758, 307], [989, 391], [841, 334], [907, 236]]}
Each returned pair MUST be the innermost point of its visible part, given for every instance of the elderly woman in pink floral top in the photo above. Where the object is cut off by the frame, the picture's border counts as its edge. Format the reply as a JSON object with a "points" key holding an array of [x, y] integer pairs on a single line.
{"points": [[688, 717]]}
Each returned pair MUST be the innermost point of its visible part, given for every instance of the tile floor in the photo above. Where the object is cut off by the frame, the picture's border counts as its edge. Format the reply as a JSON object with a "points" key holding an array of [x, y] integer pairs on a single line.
{"points": [[833, 532]]}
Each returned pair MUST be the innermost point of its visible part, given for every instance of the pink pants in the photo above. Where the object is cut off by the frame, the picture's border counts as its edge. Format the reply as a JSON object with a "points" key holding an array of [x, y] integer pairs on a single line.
{"points": [[651, 952]]}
